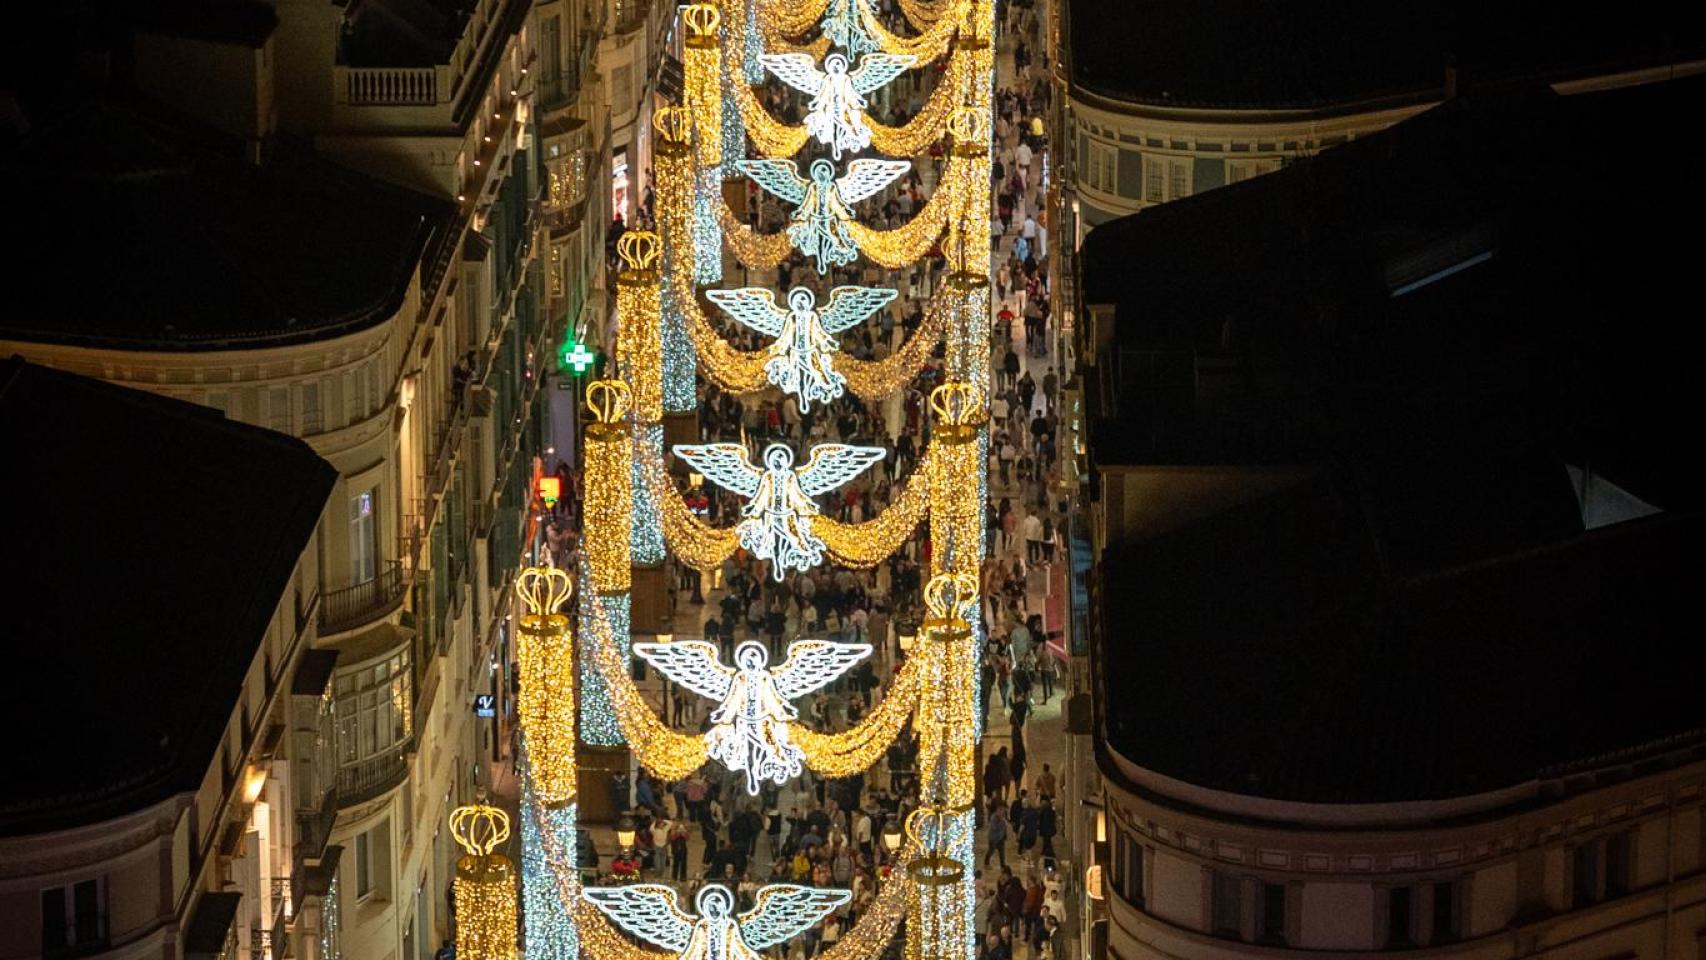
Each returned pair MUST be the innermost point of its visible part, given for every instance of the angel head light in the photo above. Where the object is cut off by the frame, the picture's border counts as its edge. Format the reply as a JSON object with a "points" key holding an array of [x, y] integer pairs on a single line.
{"points": [[714, 902], [751, 655], [801, 298]]}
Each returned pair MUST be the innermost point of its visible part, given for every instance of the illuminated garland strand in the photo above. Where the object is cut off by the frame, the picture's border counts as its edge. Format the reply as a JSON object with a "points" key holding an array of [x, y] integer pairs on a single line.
{"points": [[931, 43], [760, 251], [873, 380], [786, 18], [697, 544], [548, 919], [856, 750], [658, 748], [927, 125], [862, 546], [922, 13]]}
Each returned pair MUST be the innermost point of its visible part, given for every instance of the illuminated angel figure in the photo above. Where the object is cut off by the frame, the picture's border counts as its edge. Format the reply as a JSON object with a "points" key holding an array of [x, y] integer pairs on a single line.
{"points": [[819, 223], [777, 524], [651, 912], [845, 28], [837, 113], [799, 361], [749, 728]]}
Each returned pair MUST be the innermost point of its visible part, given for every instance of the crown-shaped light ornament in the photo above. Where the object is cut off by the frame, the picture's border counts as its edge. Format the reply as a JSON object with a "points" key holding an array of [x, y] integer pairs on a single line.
{"points": [[927, 828], [639, 250], [674, 125], [956, 407], [542, 590], [479, 828], [701, 20], [949, 597], [969, 127], [608, 400]]}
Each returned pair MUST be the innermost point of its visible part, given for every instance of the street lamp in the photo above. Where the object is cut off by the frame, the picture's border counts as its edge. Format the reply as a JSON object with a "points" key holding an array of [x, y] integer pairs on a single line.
{"points": [[625, 832]]}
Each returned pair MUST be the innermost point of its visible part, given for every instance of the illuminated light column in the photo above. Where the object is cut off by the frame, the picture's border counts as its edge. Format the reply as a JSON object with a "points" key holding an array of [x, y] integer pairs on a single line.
{"points": [[484, 887], [547, 703], [702, 72], [550, 926], [957, 513], [935, 924], [609, 488]]}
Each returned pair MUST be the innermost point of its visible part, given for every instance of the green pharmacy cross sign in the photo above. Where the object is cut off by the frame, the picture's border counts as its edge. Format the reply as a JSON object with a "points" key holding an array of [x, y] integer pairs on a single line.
{"points": [[575, 356]]}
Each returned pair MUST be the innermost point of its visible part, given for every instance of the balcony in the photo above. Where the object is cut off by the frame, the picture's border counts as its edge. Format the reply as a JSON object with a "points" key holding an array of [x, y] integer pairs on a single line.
{"points": [[393, 86], [366, 779], [355, 606]]}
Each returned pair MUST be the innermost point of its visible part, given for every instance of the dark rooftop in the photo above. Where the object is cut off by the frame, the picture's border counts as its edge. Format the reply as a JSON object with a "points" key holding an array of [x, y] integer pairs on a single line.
{"points": [[146, 231], [1446, 282], [1429, 325], [227, 21], [402, 33], [153, 540], [1264, 652], [1290, 54]]}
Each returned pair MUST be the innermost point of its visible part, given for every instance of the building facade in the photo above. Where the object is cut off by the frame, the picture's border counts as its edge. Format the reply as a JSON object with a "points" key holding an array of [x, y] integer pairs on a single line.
{"points": [[194, 817], [483, 154]]}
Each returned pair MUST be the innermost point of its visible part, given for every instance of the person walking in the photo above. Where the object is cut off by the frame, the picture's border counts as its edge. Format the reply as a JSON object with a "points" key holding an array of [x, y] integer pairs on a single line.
{"points": [[997, 834]]}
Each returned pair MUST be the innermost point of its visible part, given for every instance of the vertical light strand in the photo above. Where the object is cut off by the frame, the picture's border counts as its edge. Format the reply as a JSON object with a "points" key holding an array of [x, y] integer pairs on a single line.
{"points": [[707, 230], [545, 649], [598, 726], [754, 46], [549, 925], [648, 515], [609, 487]]}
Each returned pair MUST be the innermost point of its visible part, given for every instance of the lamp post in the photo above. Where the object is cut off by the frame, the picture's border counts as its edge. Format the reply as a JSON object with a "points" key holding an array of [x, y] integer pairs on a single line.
{"points": [[893, 837], [625, 833]]}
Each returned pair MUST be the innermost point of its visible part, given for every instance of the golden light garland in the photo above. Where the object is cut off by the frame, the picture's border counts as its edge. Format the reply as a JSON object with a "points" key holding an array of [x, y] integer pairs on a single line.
{"points": [[545, 652], [785, 18], [658, 748], [702, 87], [692, 541], [856, 750], [905, 244], [639, 345], [485, 885], [875, 379], [609, 488], [922, 13], [929, 44], [862, 546], [925, 127], [759, 251]]}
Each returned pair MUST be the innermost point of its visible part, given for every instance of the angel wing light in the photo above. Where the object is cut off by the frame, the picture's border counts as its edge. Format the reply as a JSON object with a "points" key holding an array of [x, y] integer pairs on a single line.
{"points": [[776, 522], [800, 363], [836, 114], [650, 912], [818, 225], [749, 728]]}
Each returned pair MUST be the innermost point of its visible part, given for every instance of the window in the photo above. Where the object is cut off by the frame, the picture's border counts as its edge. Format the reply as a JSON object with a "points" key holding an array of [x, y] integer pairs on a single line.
{"points": [[74, 917], [352, 398], [1237, 170], [363, 865], [1165, 178], [1228, 906], [364, 561], [1273, 913], [1128, 868], [1445, 912], [312, 419], [278, 409], [1617, 864], [1398, 917], [375, 708], [1584, 874], [218, 400], [1103, 173]]}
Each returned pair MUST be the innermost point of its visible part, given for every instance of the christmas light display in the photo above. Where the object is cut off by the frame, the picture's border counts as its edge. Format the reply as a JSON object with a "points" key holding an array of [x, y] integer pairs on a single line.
{"points": [[609, 504], [650, 912], [547, 702], [836, 115], [800, 359], [749, 727], [547, 863], [665, 340], [779, 508], [484, 887], [821, 221]]}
